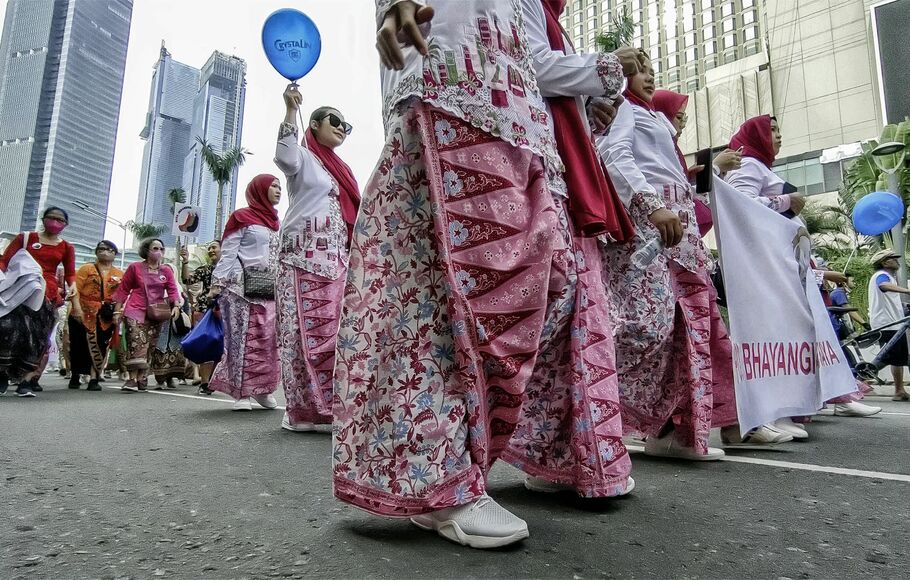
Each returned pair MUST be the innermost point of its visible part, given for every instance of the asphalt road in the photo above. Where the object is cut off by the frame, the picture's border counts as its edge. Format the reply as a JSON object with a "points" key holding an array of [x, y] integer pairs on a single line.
{"points": [[114, 485]]}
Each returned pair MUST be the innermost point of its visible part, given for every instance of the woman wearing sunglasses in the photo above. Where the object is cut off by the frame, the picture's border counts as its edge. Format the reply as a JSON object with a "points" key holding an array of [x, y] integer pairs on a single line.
{"points": [[315, 235], [91, 325]]}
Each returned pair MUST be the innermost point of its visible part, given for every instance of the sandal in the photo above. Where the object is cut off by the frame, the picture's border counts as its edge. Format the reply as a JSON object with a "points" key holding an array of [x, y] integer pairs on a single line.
{"points": [[901, 397]]}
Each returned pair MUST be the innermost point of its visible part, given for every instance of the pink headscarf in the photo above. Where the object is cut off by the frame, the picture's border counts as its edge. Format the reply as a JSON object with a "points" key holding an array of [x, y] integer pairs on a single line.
{"points": [[260, 212]]}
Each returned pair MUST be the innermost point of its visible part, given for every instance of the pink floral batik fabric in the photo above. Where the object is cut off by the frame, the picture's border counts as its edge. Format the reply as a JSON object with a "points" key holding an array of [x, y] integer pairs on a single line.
{"points": [[673, 353], [458, 275], [309, 306]]}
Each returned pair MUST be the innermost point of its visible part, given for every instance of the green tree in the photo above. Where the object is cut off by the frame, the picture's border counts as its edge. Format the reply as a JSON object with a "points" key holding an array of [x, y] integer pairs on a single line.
{"points": [[176, 196], [221, 166], [619, 33], [864, 175], [142, 231]]}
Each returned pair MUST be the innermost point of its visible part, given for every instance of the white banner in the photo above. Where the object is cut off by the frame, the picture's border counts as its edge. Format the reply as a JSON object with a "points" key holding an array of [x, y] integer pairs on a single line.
{"points": [[187, 220], [787, 360]]}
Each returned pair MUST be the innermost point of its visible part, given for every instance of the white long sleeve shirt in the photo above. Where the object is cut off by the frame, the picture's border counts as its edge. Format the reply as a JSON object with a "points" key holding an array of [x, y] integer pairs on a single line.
{"points": [[247, 247], [754, 179], [640, 155], [309, 185]]}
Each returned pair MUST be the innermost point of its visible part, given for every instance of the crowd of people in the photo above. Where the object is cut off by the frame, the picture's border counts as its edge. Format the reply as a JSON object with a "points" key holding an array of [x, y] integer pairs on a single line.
{"points": [[524, 279]]}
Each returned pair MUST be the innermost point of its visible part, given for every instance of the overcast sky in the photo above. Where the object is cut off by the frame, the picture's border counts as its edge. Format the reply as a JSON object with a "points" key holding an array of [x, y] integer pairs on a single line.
{"points": [[346, 77]]}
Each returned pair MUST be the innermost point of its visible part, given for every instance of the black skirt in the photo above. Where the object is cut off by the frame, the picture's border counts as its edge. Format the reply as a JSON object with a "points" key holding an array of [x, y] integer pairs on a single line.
{"points": [[24, 339]]}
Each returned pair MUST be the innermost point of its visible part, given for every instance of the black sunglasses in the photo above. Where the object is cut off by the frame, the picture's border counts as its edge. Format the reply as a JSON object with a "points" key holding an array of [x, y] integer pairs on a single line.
{"points": [[335, 121]]}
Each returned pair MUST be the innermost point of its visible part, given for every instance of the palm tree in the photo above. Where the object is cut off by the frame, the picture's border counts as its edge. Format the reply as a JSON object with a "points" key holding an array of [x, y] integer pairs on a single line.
{"points": [[176, 196], [142, 231], [863, 176], [221, 166], [619, 34]]}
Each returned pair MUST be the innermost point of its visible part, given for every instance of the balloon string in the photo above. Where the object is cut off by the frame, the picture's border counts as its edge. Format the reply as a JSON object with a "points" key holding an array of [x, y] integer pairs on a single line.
{"points": [[853, 253]]}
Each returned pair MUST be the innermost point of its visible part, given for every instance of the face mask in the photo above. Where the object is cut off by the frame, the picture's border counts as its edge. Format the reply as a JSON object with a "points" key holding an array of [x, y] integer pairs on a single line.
{"points": [[156, 255], [53, 227]]}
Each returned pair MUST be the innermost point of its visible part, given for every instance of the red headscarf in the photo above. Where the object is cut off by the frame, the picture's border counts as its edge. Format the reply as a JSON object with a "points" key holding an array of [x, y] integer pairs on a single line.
{"points": [[670, 104], [348, 192], [754, 136], [260, 211], [594, 205]]}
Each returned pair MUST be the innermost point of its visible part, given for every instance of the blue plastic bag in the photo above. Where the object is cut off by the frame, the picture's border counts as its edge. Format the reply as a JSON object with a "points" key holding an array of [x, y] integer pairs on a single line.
{"points": [[205, 343]]}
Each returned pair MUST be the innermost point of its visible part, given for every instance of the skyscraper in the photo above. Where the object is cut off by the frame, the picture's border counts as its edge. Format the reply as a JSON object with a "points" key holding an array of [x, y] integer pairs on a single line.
{"points": [[167, 134], [811, 64], [61, 79], [218, 119]]}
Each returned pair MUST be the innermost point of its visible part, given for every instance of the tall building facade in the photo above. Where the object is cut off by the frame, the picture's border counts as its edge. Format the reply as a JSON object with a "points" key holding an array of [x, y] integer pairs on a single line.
{"points": [[61, 79], [217, 119], [811, 64], [167, 134]]}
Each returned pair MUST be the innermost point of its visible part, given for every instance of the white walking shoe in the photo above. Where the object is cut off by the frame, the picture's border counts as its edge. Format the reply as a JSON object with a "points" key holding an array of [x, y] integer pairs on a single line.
{"points": [[304, 427], [482, 524], [543, 486], [266, 401], [243, 405], [855, 409], [764, 437], [667, 446], [786, 425]]}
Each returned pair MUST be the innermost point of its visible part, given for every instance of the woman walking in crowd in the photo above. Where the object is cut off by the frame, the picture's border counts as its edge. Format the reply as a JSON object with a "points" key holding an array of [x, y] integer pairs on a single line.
{"points": [[457, 269], [249, 249], [167, 362], [761, 140], [201, 304], [146, 299], [673, 353], [50, 251], [673, 106], [91, 322], [312, 263]]}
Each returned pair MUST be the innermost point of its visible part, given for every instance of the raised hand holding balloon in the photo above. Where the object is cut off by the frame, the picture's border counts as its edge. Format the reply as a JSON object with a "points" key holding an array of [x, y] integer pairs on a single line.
{"points": [[292, 44]]}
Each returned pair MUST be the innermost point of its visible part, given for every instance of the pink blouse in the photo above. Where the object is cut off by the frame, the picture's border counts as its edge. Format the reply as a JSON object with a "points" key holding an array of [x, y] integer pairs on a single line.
{"points": [[141, 287]]}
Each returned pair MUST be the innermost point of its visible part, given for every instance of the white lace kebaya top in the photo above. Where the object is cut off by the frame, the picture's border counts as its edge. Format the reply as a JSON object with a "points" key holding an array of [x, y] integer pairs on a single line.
{"points": [[480, 68], [249, 246]]}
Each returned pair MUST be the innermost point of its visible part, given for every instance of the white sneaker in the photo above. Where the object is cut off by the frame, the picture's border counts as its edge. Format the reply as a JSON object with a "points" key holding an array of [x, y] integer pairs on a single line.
{"points": [[855, 409], [483, 524], [243, 405], [304, 427], [543, 486], [668, 446], [786, 425], [764, 437], [266, 401]]}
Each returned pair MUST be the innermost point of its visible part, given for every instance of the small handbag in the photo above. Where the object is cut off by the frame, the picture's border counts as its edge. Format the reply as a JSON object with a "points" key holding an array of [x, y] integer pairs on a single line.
{"points": [[157, 312], [258, 283], [106, 312]]}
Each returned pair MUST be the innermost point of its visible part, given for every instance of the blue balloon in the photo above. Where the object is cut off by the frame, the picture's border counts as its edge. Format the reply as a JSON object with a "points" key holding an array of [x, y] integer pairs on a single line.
{"points": [[877, 213], [291, 42]]}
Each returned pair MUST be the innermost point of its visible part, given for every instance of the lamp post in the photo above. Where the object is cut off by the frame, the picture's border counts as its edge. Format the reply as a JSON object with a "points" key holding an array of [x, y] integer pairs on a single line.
{"points": [[91, 211], [884, 159]]}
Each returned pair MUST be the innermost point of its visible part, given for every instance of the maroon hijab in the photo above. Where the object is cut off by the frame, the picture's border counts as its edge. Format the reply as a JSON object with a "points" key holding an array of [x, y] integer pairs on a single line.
{"points": [[594, 205], [260, 211], [348, 192], [670, 104], [754, 136]]}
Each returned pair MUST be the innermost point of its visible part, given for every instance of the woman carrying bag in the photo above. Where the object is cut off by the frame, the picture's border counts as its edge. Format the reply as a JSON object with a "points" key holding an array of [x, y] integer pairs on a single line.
{"points": [[147, 298], [93, 331], [244, 280]]}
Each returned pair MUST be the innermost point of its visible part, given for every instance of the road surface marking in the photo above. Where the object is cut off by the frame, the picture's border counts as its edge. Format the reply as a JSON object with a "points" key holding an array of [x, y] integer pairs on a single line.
{"points": [[185, 396], [806, 467]]}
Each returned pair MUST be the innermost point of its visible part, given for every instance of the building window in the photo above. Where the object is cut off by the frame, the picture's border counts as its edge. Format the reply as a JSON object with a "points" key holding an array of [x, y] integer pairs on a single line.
{"points": [[690, 39], [691, 54], [707, 16], [727, 9], [710, 47], [750, 33], [748, 3], [729, 25], [748, 16], [730, 41], [692, 86], [673, 61], [708, 32]]}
